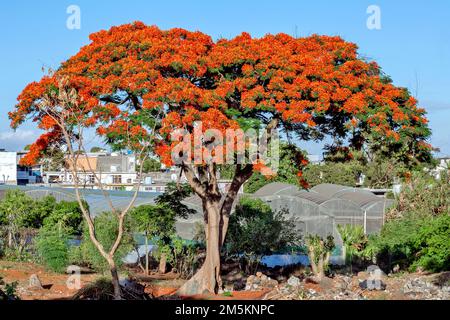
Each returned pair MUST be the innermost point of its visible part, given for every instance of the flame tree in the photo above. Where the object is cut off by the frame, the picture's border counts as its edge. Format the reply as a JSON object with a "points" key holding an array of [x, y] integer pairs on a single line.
{"points": [[134, 75]]}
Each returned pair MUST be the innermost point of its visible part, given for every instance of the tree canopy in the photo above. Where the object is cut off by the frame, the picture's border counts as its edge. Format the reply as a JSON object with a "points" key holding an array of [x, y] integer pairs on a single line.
{"points": [[313, 86]]}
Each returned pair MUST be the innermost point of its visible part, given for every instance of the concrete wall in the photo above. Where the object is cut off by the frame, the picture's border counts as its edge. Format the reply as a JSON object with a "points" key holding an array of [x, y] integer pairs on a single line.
{"points": [[8, 167]]}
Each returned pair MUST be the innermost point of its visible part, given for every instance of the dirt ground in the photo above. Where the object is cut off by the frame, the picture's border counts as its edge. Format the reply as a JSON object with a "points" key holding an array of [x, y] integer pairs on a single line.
{"points": [[55, 286]]}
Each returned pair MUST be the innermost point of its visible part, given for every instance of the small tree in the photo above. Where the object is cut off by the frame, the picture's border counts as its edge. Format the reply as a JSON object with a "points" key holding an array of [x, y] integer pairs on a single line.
{"points": [[106, 230], [159, 221], [14, 211], [66, 113], [155, 221], [255, 230], [319, 253]]}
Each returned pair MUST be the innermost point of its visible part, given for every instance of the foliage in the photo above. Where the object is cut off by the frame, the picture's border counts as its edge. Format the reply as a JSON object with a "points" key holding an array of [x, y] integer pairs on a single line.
{"points": [[343, 173], [432, 245], [53, 158], [319, 252], [181, 255], [154, 220], [15, 208], [172, 197], [149, 165], [180, 76], [67, 214], [52, 247], [8, 291], [423, 196], [106, 229], [355, 241], [413, 242], [97, 149], [287, 172], [255, 230]]}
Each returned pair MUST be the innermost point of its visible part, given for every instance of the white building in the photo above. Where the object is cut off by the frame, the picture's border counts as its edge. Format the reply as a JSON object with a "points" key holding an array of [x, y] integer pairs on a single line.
{"points": [[13, 173], [114, 171], [8, 167]]}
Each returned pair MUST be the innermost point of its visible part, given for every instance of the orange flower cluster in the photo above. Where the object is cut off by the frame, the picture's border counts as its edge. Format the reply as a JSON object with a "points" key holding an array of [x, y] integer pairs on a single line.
{"points": [[189, 77]]}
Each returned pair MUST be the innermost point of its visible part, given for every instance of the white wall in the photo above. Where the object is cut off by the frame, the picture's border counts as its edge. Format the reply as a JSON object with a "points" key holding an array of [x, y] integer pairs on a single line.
{"points": [[8, 167]]}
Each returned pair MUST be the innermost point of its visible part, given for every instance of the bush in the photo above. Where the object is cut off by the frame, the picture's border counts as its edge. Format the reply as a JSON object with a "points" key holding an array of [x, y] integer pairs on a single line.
{"points": [[106, 230], [354, 240], [255, 230], [67, 214], [432, 245], [52, 247], [422, 196], [417, 232], [411, 243]]}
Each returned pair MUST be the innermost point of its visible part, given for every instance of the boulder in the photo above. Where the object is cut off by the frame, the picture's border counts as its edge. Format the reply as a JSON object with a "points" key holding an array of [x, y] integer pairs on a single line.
{"points": [[35, 282], [293, 281]]}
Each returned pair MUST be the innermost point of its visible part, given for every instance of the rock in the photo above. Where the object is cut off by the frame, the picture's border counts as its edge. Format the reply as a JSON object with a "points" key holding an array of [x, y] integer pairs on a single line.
{"points": [[132, 286], [259, 274], [264, 278], [293, 281], [35, 282], [372, 284], [272, 283]]}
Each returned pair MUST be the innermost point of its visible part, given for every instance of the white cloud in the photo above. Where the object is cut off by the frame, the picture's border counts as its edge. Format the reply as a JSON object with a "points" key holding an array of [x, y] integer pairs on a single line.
{"points": [[17, 140], [18, 135]]}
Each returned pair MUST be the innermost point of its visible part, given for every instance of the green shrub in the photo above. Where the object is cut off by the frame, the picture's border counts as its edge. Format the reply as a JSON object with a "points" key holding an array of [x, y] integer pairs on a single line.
{"points": [[68, 215], [106, 231], [52, 247], [417, 231], [432, 245], [255, 230], [422, 196], [354, 240], [412, 242]]}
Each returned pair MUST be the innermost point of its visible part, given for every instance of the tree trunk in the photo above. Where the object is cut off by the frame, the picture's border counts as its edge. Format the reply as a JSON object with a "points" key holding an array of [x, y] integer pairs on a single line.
{"points": [[207, 279], [163, 263], [146, 254], [115, 279]]}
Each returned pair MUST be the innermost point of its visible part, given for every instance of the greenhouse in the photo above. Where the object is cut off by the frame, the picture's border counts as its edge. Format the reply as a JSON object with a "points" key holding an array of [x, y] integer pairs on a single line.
{"points": [[316, 211], [324, 207]]}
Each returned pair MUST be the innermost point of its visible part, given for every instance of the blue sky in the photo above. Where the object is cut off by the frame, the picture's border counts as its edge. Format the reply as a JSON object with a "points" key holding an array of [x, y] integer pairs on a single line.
{"points": [[412, 46]]}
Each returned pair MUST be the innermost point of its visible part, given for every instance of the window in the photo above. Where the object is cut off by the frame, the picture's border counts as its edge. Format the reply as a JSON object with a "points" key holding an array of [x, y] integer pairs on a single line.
{"points": [[91, 179], [128, 180], [117, 179]]}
